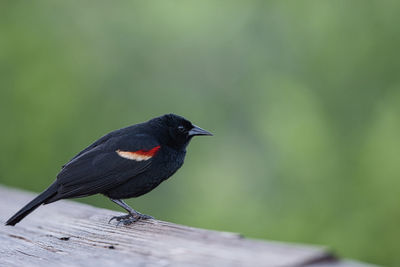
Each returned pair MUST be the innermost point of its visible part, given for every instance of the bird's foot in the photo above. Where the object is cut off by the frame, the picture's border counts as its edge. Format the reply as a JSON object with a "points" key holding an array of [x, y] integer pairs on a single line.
{"points": [[130, 218], [124, 219]]}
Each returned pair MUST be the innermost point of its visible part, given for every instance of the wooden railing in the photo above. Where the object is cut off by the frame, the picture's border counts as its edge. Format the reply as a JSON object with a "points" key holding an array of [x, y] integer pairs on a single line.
{"points": [[68, 233]]}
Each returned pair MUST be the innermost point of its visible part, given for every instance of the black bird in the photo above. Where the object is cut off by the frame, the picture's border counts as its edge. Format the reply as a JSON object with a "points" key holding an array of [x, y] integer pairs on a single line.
{"points": [[125, 163]]}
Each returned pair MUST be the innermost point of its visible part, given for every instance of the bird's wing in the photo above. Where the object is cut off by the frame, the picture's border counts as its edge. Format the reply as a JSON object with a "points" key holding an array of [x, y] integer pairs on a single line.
{"points": [[106, 166], [99, 141]]}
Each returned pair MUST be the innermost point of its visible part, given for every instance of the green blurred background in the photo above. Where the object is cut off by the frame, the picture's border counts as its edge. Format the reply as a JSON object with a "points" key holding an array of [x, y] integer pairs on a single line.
{"points": [[303, 98]]}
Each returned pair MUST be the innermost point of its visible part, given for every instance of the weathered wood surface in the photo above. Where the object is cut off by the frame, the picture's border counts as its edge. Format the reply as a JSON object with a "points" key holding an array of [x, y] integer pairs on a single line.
{"points": [[67, 233]]}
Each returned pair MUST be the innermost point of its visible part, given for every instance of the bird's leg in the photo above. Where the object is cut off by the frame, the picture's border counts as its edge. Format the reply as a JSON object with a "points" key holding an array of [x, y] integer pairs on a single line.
{"points": [[130, 218]]}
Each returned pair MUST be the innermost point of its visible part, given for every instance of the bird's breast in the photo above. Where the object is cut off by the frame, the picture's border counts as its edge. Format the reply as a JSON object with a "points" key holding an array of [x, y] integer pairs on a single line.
{"points": [[170, 162]]}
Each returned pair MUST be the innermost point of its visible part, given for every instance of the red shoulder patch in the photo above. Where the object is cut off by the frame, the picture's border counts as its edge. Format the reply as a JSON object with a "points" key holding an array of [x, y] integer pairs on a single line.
{"points": [[139, 155]]}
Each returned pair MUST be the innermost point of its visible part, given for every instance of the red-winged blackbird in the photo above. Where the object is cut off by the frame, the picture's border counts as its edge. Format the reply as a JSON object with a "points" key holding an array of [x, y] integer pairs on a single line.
{"points": [[125, 163]]}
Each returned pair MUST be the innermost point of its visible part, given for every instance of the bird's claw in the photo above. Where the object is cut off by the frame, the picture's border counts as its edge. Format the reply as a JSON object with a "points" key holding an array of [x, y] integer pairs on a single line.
{"points": [[145, 217], [130, 218]]}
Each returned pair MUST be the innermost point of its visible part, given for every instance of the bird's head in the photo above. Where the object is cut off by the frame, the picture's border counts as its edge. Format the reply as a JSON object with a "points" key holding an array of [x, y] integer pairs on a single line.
{"points": [[178, 131]]}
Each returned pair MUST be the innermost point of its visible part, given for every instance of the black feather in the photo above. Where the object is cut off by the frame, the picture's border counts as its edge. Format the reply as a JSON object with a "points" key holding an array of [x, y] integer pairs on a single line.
{"points": [[31, 206]]}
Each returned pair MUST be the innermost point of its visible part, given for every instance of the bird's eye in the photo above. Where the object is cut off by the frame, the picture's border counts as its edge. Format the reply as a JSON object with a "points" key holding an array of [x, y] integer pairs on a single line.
{"points": [[181, 128]]}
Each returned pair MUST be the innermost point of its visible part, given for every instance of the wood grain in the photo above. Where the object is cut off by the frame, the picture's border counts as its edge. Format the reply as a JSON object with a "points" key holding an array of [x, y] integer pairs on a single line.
{"points": [[67, 233]]}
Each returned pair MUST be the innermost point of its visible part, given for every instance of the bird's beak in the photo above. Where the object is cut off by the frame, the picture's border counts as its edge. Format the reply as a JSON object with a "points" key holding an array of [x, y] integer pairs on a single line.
{"points": [[196, 130]]}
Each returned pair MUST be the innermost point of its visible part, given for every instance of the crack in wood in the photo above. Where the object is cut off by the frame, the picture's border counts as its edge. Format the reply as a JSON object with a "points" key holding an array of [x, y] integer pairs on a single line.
{"points": [[20, 237], [24, 253]]}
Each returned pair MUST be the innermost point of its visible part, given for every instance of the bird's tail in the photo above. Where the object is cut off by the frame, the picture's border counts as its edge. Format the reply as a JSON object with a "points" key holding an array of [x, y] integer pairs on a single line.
{"points": [[31, 206]]}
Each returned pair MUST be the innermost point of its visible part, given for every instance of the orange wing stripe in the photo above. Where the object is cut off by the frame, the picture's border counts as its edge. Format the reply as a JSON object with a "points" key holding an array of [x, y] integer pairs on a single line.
{"points": [[139, 155]]}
